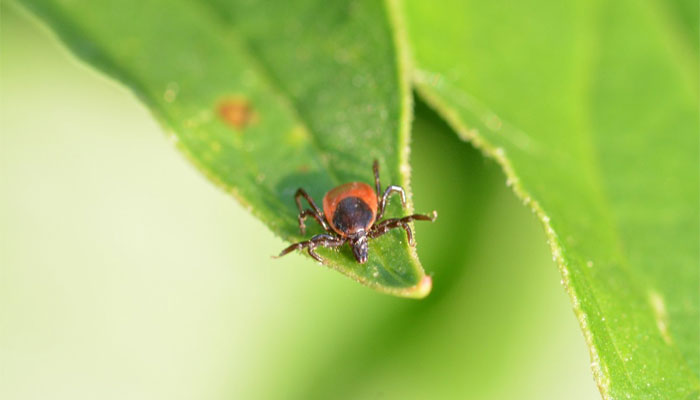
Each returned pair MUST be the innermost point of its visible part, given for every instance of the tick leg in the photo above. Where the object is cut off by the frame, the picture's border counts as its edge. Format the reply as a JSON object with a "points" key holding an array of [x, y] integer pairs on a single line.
{"points": [[381, 201], [377, 185], [310, 213], [388, 224], [388, 192], [314, 212], [323, 240]]}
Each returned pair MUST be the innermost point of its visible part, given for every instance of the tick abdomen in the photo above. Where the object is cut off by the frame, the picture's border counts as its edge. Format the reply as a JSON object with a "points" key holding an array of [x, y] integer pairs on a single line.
{"points": [[352, 215], [350, 208]]}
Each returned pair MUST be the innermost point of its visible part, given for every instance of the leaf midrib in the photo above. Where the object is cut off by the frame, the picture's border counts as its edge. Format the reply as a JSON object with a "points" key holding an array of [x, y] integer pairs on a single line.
{"points": [[215, 13], [212, 12]]}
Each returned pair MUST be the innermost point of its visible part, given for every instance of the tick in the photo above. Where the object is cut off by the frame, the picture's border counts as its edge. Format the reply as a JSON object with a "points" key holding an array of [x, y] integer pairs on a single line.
{"points": [[352, 214]]}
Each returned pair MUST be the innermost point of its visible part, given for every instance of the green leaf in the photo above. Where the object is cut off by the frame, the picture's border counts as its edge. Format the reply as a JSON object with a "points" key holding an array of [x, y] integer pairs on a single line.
{"points": [[266, 98], [591, 110]]}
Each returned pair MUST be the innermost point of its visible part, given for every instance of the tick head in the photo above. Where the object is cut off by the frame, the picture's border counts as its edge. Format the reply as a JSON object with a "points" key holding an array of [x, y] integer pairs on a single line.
{"points": [[359, 247]]}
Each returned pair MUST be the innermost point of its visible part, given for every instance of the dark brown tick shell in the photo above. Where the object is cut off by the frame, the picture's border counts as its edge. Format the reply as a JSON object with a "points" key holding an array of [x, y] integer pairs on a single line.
{"points": [[350, 208]]}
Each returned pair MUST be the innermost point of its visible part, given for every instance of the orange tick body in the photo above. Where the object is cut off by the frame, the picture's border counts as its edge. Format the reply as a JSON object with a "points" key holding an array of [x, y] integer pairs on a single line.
{"points": [[351, 214], [350, 208]]}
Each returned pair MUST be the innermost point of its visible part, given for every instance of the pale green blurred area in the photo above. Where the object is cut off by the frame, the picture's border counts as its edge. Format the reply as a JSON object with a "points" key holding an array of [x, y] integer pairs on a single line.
{"points": [[126, 274]]}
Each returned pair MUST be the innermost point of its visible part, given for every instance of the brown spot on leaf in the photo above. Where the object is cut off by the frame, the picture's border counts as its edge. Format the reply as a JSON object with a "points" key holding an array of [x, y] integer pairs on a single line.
{"points": [[236, 112], [303, 168]]}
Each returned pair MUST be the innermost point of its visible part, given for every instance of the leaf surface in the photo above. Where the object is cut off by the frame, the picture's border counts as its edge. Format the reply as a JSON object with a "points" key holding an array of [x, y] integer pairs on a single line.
{"points": [[591, 109]]}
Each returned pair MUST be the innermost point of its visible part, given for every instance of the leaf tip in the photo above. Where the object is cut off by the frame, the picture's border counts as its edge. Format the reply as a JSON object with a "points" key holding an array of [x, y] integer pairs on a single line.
{"points": [[420, 290]]}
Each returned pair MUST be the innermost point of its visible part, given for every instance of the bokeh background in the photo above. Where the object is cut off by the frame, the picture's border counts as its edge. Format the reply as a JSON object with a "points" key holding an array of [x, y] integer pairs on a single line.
{"points": [[126, 274]]}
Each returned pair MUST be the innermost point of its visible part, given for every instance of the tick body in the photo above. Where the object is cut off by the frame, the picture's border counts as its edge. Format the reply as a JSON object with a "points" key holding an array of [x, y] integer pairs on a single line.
{"points": [[352, 214], [350, 208]]}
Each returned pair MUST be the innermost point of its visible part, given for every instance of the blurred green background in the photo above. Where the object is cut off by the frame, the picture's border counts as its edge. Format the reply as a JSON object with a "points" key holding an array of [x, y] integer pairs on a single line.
{"points": [[126, 274]]}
